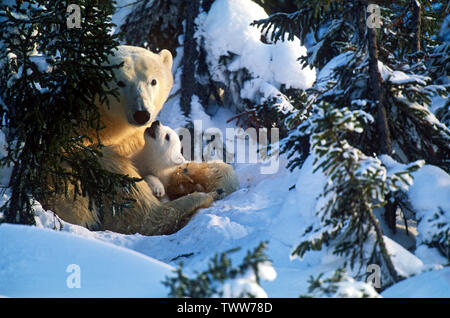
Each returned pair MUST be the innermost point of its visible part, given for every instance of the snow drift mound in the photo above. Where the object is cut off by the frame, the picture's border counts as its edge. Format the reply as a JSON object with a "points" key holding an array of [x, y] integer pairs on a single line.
{"points": [[36, 262]]}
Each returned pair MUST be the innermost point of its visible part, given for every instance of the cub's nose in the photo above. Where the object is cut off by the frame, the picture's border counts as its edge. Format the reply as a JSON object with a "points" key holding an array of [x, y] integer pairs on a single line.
{"points": [[141, 117], [151, 131]]}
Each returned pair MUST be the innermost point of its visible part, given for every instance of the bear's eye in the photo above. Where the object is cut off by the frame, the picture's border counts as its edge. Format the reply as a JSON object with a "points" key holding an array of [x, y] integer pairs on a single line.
{"points": [[167, 137], [121, 84], [153, 82]]}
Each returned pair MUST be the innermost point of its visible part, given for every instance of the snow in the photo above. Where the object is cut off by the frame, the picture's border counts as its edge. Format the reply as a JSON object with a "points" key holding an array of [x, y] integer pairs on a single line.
{"points": [[444, 33], [405, 263], [274, 64], [266, 271], [430, 198], [346, 287], [326, 73], [437, 102], [432, 284], [399, 77], [38, 262], [34, 261], [198, 113], [41, 63], [245, 285], [430, 256], [273, 207], [123, 8], [353, 289], [431, 189]]}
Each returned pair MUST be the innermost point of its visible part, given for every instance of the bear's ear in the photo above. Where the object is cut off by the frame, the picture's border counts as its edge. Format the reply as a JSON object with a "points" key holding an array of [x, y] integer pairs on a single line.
{"points": [[166, 57], [127, 63]]}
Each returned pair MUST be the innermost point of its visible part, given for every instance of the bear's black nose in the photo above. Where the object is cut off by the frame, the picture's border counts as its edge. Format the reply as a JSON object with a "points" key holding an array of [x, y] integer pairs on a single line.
{"points": [[141, 117]]}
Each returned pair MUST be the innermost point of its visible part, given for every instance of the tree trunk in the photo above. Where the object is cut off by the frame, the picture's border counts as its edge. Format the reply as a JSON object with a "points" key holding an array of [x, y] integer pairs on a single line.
{"points": [[384, 136], [390, 213], [18, 209], [188, 81], [375, 83], [383, 248], [416, 17]]}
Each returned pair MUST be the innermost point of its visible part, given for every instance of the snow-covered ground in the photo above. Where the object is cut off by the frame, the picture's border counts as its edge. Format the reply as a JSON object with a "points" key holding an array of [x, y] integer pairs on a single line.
{"points": [[37, 262], [427, 284], [55, 257], [34, 260]]}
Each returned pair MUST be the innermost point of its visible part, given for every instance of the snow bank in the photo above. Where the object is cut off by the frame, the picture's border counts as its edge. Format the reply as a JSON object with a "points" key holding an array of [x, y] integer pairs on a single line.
{"points": [[37, 262], [430, 198], [34, 260], [405, 262], [431, 189], [432, 284]]}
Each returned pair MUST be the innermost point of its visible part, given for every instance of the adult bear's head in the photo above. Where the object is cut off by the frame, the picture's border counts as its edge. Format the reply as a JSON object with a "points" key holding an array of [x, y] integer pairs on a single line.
{"points": [[144, 83]]}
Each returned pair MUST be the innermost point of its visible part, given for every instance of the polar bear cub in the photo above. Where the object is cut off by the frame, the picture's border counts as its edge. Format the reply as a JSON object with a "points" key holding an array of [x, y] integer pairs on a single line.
{"points": [[159, 158], [170, 176]]}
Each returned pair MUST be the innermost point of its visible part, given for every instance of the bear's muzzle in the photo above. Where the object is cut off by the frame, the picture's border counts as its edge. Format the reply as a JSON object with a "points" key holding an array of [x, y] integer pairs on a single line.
{"points": [[141, 117]]}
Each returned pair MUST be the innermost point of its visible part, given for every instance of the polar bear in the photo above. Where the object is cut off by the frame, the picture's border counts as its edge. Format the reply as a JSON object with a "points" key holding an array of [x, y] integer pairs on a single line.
{"points": [[161, 162], [159, 157], [144, 82]]}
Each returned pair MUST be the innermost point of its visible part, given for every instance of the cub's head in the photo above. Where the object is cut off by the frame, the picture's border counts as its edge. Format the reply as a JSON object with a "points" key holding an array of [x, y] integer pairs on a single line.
{"points": [[144, 82], [163, 144]]}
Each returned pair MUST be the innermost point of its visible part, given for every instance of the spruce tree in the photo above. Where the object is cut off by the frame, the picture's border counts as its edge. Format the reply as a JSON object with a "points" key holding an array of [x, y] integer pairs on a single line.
{"points": [[53, 75], [338, 286], [357, 185], [372, 97], [210, 282]]}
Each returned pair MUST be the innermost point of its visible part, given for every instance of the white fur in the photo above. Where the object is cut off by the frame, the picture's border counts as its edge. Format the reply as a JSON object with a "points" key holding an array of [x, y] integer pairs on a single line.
{"points": [[122, 137], [159, 157]]}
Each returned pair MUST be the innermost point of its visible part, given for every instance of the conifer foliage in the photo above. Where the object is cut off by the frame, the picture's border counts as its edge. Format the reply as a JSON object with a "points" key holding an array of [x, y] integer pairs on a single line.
{"points": [[357, 185], [377, 77], [211, 282], [340, 285], [51, 77]]}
